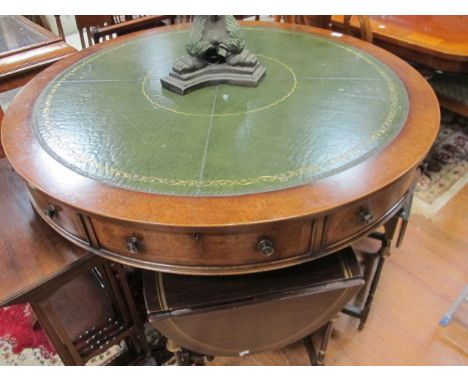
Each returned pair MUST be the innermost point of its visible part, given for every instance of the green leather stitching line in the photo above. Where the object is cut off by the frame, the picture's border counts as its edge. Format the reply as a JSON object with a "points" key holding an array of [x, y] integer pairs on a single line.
{"points": [[291, 91], [281, 177]]}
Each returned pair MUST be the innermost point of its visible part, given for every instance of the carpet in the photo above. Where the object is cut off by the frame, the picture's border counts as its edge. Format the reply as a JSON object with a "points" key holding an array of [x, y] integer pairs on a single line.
{"points": [[447, 171], [20, 342]]}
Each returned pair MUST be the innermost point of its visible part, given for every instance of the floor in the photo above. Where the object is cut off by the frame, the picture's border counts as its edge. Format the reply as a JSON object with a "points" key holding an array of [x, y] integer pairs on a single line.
{"points": [[419, 283]]}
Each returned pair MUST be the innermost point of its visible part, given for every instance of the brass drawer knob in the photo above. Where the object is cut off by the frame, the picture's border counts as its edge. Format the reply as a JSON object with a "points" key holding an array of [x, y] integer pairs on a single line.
{"points": [[132, 245], [50, 211], [265, 247], [365, 216]]}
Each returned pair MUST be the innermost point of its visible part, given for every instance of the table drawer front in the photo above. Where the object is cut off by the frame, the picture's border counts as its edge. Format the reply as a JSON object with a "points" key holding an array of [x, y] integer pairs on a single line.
{"points": [[58, 214], [190, 248], [347, 223]]}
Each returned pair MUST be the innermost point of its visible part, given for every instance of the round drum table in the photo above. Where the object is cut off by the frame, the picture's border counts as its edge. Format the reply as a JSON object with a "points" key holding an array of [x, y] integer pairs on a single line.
{"points": [[227, 179]]}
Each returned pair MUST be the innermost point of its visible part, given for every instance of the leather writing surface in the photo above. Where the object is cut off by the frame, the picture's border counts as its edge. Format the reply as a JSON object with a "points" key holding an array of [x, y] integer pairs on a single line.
{"points": [[322, 107]]}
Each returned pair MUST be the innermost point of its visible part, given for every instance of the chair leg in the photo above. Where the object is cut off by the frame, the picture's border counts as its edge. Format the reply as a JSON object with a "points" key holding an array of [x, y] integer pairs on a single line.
{"points": [[374, 277], [364, 314]]}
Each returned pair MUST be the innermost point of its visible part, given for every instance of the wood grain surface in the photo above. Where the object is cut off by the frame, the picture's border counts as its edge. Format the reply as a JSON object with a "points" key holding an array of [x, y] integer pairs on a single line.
{"points": [[419, 282], [112, 217], [439, 42], [31, 253]]}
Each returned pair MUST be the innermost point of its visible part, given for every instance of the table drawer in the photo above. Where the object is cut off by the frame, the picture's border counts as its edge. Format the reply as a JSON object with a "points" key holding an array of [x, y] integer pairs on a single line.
{"points": [[227, 247], [345, 224], [59, 214]]}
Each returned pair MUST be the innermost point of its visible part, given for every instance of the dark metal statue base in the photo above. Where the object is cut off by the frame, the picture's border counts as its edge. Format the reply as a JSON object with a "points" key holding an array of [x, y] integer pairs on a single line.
{"points": [[212, 75]]}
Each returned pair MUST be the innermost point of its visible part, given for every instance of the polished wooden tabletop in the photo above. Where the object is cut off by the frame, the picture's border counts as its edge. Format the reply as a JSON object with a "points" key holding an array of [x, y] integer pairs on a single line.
{"points": [[31, 253], [196, 233], [25, 49], [440, 42]]}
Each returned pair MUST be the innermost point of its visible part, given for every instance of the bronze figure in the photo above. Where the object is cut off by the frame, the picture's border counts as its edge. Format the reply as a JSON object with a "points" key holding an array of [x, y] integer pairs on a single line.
{"points": [[216, 55]]}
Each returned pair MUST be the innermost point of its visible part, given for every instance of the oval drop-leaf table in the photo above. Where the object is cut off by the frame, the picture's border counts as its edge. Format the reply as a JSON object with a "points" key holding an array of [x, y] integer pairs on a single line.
{"points": [[227, 179]]}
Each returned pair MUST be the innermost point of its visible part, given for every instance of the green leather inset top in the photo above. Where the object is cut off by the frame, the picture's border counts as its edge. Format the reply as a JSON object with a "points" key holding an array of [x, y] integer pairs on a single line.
{"points": [[322, 107]]}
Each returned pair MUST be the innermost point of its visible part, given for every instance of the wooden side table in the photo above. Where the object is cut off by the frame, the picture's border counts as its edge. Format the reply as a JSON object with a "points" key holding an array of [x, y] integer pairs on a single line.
{"points": [[438, 42], [240, 315], [71, 290], [25, 50]]}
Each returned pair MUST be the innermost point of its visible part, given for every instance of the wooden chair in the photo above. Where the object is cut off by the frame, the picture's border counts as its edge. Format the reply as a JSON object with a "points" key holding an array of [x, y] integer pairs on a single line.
{"points": [[184, 19], [146, 22], [320, 21], [86, 23], [243, 17], [364, 27], [107, 32], [324, 21]]}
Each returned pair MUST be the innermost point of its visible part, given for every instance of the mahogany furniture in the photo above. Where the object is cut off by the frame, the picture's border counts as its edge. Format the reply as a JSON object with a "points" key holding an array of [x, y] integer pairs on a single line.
{"points": [[364, 26], [90, 313], [183, 19], [39, 266], [324, 21], [57, 278], [321, 21], [373, 261], [95, 27], [438, 42], [239, 315], [221, 225], [85, 23], [31, 253], [25, 50], [102, 33], [226, 180]]}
